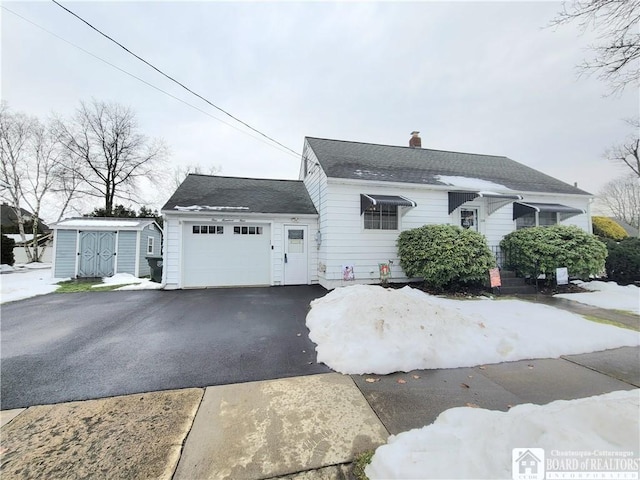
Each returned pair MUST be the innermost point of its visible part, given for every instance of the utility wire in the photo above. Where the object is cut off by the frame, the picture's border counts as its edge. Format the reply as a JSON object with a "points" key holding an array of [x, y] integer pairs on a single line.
{"points": [[173, 79], [288, 151]]}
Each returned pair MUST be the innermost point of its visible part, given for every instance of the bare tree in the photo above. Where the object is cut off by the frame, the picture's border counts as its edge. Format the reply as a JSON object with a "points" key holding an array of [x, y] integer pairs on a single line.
{"points": [[30, 161], [180, 172], [111, 155], [15, 132], [621, 196], [628, 153], [617, 53]]}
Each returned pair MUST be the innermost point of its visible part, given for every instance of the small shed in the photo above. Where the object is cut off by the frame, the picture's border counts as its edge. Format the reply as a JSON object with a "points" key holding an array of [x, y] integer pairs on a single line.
{"points": [[101, 247]]}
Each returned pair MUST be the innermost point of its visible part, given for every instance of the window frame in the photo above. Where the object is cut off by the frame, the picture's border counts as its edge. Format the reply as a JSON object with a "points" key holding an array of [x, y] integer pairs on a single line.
{"points": [[536, 220], [384, 213], [151, 245]]}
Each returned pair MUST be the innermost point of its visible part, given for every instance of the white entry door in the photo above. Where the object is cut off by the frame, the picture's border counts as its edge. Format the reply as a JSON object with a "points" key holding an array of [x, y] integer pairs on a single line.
{"points": [[295, 255]]}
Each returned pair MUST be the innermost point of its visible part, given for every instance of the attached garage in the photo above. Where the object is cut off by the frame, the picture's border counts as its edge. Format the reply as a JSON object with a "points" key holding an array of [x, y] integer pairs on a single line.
{"points": [[228, 231], [217, 255], [91, 247]]}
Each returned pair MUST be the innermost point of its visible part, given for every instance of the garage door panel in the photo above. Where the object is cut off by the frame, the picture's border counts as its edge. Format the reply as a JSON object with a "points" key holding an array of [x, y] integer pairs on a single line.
{"points": [[226, 258]]}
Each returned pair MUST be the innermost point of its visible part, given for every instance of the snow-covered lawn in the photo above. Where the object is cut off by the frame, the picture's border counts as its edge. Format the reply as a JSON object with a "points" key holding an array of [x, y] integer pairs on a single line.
{"points": [[32, 279], [24, 281], [369, 329], [607, 295], [476, 443]]}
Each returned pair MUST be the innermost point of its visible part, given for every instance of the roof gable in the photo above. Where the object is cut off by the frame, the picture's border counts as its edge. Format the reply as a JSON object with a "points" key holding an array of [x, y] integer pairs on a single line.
{"points": [[241, 195], [387, 163]]}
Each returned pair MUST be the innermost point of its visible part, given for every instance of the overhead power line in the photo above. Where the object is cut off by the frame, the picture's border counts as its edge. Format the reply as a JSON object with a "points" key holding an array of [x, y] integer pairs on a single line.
{"points": [[173, 79], [288, 151]]}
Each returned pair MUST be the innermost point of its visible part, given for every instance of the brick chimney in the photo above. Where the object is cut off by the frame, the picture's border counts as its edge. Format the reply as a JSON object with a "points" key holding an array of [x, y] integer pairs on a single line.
{"points": [[415, 141]]}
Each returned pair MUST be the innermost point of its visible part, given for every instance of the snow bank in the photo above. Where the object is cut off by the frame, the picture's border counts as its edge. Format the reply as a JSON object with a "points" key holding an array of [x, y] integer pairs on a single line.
{"points": [[476, 443], [607, 295], [369, 329], [27, 281]]}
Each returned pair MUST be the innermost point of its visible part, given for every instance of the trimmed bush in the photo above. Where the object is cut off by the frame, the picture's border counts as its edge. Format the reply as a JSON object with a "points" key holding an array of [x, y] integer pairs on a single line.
{"points": [[623, 262], [445, 255], [6, 250], [536, 250], [605, 227]]}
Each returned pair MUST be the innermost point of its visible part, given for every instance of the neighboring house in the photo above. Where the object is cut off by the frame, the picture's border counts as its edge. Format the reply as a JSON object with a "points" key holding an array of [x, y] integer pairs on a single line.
{"points": [[101, 247], [631, 230], [224, 231], [44, 241], [365, 195], [9, 219]]}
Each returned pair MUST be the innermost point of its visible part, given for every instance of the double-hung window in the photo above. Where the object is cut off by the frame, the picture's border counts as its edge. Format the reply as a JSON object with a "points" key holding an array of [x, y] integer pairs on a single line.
{"points": [[381, 217]]}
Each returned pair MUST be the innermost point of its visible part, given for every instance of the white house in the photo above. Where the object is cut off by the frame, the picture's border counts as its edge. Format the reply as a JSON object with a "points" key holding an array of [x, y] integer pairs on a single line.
{"points": [[341, 220]]}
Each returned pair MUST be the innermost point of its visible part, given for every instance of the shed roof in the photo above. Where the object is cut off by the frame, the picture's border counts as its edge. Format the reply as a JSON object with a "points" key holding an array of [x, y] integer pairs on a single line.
{"points": [[387, 163], [102, 223], [212, 193]]}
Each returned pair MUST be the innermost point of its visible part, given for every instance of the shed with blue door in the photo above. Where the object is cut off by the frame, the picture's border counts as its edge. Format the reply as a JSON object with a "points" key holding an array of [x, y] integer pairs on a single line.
{"points": [[101, 247]]}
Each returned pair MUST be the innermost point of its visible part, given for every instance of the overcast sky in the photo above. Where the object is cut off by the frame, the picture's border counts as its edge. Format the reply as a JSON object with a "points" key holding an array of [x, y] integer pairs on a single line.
{"points": [[480, 77]]}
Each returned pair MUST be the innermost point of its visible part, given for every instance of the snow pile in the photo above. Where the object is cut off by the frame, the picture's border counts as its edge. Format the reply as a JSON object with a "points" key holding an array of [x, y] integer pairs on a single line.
{"points": [[607, 295], [27, 281], [369, 329], [129, 282], [476, 443]]}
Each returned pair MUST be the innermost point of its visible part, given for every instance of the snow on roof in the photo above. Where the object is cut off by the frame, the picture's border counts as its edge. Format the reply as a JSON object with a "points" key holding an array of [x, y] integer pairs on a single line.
{"points": [[16, 237], [89, 222], [471, 183], [198, 208]]}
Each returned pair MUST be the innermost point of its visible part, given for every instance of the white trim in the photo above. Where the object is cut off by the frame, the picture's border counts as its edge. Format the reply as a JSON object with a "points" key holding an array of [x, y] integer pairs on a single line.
{"points": [[53, 253], [116, 268], [136, 266], [77, 253]]}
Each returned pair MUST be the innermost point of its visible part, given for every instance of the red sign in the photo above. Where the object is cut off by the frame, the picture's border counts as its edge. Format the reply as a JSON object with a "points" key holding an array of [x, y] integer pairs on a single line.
{"points": [[494, 277]]}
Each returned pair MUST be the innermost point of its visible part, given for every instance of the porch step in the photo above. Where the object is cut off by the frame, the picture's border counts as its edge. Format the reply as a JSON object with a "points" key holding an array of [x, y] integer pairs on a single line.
{"points": [[512, 285]]}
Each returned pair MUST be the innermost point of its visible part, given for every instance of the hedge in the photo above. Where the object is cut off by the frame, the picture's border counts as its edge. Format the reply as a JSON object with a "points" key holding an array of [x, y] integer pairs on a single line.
{"points": [[536, 250], [445, 255], [623, 262], [605, 227], [6, 248]]}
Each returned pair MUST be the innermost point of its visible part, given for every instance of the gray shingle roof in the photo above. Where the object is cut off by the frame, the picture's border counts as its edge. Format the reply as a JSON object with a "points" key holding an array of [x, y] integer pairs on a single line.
{"points": [[254, 195], [366, 161]]}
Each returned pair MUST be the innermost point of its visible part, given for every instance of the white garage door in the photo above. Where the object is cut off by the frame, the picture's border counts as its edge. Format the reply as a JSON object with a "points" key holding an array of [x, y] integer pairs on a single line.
{"points": [[221, 255]]}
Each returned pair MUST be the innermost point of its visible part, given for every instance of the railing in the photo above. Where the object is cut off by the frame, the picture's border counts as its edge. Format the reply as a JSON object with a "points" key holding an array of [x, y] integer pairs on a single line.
{"points": [[506, 260]]}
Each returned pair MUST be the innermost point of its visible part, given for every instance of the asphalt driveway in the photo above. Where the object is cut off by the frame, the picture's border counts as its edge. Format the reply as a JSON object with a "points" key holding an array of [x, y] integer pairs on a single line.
{"points": [[64, 347]]}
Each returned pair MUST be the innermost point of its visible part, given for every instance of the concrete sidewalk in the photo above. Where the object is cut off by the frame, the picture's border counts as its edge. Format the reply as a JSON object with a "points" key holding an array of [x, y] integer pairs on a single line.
{"points": [[254, 430], [298, 428]]}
